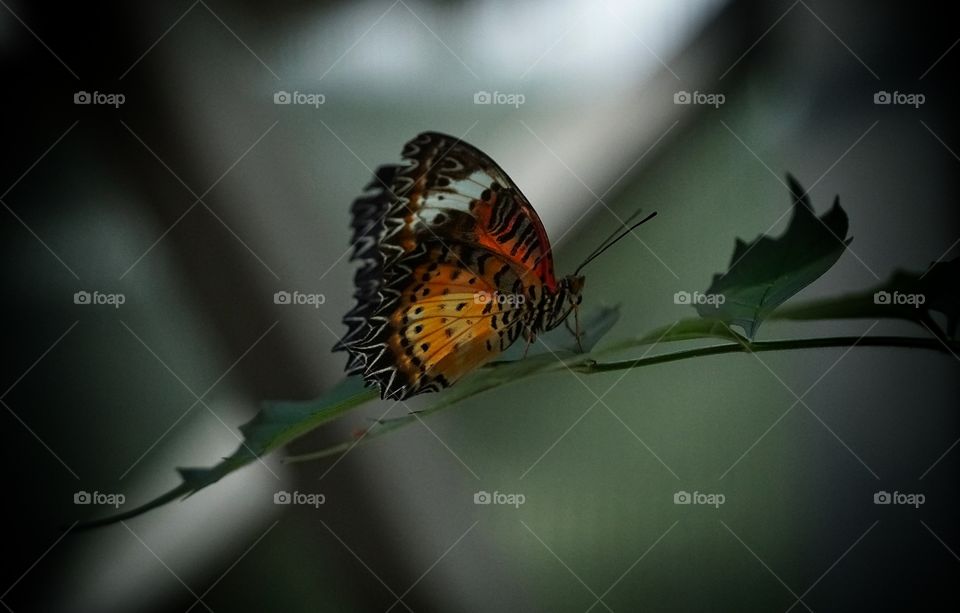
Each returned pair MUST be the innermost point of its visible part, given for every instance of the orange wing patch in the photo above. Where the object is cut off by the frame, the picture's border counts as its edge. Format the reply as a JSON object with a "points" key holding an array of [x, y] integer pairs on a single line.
{"points": [[452, 311]]}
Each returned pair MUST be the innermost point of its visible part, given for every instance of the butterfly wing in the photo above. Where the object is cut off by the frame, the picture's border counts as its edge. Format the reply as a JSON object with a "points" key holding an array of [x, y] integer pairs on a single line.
{"points": [[450, 213], [443, 316], [369, 214], [456, 190], [453, 191]]}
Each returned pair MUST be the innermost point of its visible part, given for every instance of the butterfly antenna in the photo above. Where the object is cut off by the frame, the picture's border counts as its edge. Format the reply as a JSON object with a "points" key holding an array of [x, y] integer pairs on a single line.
{"points": [[610, 242], [623, 224]]}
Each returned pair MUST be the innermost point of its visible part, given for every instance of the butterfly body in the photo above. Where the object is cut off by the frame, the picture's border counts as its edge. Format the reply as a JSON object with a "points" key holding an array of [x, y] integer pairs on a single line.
{"points": [[455, 267]]}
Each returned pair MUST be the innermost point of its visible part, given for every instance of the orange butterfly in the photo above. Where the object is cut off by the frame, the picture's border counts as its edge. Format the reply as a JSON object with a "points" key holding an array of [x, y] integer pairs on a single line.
{"points": [[456, 266]]}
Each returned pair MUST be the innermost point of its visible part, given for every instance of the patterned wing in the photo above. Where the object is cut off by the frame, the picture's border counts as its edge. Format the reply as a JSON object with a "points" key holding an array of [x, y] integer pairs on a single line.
{"points": [[453, 191], [369, 216], [442, 316], [449, 196]]}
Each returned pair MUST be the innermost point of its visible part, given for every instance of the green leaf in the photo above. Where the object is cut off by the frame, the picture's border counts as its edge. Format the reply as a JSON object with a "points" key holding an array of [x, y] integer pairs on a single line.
{"points": [[690, 328], [905, 295], [277, 424], [766, 272]]}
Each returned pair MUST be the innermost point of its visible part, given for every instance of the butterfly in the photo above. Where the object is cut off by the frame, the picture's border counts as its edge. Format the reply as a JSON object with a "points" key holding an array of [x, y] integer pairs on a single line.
{"points": [[455, 266]]}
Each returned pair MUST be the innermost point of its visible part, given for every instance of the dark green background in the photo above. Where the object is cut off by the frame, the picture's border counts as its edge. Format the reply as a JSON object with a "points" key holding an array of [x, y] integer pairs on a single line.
{"points": [[799, 101]]}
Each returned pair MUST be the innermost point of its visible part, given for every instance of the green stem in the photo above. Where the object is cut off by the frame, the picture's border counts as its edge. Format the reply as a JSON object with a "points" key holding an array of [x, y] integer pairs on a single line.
{"points": [[591, 366], [763, 346]]}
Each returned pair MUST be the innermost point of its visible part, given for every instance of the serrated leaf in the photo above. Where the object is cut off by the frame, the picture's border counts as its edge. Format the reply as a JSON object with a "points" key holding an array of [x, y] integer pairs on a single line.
{"points": [[905, 295], [277, 424], [280, 423], [767, 271]]}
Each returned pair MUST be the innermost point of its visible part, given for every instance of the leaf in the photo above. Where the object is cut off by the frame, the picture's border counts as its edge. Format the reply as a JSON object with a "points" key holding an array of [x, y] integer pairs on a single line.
{"points": [[766, 272], [277, 424], [905, 295], [690, 328]]}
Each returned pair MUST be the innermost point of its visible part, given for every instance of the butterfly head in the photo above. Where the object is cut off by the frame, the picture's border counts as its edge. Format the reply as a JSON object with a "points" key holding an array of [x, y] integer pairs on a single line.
{"points": [[573, 284], [566, 299]]}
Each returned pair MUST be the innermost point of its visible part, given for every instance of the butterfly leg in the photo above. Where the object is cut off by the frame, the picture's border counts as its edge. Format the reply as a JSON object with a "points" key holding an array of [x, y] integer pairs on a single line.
{"points": [[530, 337], [579, 332], [575, 331]]}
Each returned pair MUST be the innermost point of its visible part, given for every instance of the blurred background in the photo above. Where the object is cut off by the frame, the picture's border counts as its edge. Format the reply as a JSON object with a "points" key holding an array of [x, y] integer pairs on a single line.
{"points": [[149, 158]]}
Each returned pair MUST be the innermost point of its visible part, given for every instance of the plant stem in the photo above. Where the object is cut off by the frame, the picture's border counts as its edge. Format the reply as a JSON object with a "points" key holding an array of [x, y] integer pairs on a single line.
{"points": [[762, 346]]}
